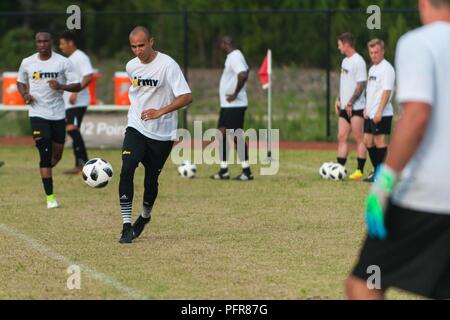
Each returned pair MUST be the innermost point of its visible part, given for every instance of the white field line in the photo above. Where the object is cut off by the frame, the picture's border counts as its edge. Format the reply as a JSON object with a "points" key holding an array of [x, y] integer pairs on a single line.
{"points": [[50, 253]]}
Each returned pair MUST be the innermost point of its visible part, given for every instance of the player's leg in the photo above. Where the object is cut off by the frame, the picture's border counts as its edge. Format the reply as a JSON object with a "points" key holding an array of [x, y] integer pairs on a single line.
{"points": [[58, 135], [357, 289], [241, 144], [357, 124], [383, 129], [343, 136], [157, 154], [133, 152], [369, 143], [74, 117], [223, 173], [41, 129]]}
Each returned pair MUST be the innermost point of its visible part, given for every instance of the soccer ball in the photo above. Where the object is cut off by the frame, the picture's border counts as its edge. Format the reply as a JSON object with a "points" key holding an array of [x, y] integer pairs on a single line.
{"points": [[324, 170], [187, 169], [97, 173], [337, 172]]}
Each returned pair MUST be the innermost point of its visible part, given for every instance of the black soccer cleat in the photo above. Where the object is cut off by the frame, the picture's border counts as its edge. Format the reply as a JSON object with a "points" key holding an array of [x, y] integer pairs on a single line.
{"points": [[127, 233], [139, 225], [370, 178], [246, 175], [223, 174]]}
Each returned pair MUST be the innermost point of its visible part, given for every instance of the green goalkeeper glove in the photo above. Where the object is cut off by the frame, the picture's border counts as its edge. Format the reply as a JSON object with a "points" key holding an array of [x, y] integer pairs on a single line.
{"points": [[377, 200]]}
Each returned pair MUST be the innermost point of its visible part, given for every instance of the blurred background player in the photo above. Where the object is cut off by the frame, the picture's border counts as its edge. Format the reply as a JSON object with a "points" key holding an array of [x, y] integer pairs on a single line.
{"points": [[76, 102], [41, 81], [379, 111], [2, 163], [233, 103], [409, 232], [350, 103], [158, 90]]}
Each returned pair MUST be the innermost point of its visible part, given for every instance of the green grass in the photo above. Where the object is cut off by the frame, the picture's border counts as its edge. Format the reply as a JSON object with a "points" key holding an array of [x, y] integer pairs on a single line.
{"points": [[289, 236]]}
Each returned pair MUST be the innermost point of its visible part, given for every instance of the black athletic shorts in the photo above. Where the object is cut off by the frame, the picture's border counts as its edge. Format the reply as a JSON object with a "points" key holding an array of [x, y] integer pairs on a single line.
{"points": [[232, 118], [55, 130], [384, 127], [151, 153], [75, 115], [415, 255], [355, 113]]}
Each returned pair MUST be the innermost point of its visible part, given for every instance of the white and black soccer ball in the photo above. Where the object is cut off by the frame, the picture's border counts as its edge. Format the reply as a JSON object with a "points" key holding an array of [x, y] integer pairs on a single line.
{"points": [[337, 172], [187, 169], [97, 173], [324, 170]]}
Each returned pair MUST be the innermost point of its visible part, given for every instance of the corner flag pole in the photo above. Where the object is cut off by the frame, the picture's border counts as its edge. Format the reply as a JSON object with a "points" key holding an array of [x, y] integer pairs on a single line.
{"points": [[269, 106]]}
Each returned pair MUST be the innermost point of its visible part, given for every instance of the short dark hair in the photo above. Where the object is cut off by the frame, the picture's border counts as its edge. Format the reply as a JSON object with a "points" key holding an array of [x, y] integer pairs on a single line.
{"points": [[69, 36], [347, 37], [440, 3], [141, 29], [44, 31]]}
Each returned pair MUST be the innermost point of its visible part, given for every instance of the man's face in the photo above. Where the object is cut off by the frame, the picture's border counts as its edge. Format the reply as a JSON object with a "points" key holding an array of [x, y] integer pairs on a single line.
{"points": [[65, 46], [141, 45], [223, 46], [43, 43], [376, 54], [342, 46]]}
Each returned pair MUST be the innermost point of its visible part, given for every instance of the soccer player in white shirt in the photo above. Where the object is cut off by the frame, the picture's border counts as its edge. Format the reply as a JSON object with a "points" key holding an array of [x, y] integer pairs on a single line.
{"points": [[158, 90], [76, 102], [350, 103], [233, 103], [379, 112], [41, 81], [408, 219]]}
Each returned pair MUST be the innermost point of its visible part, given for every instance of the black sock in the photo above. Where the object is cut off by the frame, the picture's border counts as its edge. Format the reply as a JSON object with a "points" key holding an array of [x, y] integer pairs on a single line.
{"points": [[381, 154], [79, 149], [361, 164], [373, 154], [48, 185], [342, 161]]}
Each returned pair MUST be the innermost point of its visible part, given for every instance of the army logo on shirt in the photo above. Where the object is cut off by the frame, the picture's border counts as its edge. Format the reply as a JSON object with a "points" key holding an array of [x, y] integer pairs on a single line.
{"points": [[45, 75], [139, 82]]}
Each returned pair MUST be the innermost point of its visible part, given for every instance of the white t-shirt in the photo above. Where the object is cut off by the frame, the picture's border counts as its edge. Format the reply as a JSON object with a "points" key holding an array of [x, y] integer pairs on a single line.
{"points": [[154, 86], [48, 103], [423, 67], [234, 64], [353, 70], [83, 67], [381, 78]]}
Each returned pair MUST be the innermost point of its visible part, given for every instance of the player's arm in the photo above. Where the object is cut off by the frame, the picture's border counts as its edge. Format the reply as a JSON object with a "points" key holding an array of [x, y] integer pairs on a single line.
{"points": [[407, 137], [384, 101], [23, 90], [72, 87], [84, 83], [337, 104], [242, 78], [360, 87], [179, 102]]}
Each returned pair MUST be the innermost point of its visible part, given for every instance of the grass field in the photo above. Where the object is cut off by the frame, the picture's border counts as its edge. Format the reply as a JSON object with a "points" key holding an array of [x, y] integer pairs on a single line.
{"points": [[289, 236]]}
